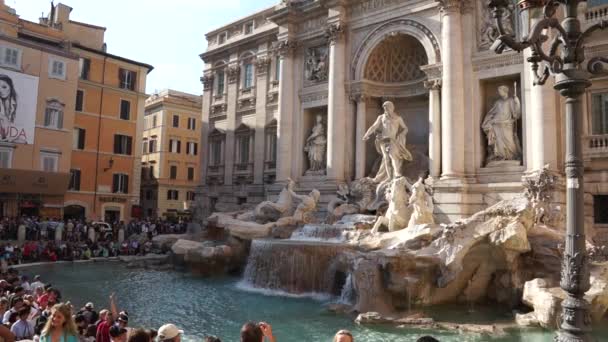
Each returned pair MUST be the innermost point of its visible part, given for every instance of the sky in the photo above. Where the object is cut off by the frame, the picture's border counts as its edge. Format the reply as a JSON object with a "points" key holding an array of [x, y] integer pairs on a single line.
{"points": [[168, 34]]}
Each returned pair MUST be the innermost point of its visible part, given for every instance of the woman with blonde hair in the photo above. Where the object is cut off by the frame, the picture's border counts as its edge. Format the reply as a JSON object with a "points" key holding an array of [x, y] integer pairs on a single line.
{"points": [[344, 336], [61, 326]]}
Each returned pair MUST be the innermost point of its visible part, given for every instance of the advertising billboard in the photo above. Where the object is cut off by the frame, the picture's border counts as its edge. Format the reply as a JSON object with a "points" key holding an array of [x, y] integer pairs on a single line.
{"points": [[18, 101]]}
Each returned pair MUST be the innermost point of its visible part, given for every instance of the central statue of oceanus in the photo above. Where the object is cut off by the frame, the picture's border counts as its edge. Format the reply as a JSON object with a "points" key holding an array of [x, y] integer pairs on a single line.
{"points": [[391, 132]]}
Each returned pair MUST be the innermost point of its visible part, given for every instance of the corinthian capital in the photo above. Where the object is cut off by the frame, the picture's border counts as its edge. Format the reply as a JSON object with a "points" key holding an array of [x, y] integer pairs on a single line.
{"points": [[454, 6], [286, 47], [334, 32], [207, 81]]}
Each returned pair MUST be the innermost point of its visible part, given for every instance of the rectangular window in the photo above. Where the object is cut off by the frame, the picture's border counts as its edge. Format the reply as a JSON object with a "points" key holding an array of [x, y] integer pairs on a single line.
{"points": [[191, 195], [222, 37], [10, 57], [216, 153], [122, 144], [57, 69], [79, 100], [74, 180], [176, 121], [148, 194], [192, 124], [248, 82], [120, 183], [153, 143], [220, 83], [172, 195], [154, 121], [249, 27], [126, 79], [53, 115], [191, 148], [242, 152], [84, 67], [173, 172], [144, 149], [6, 158], [271, 147], [125, 110], [175, 146], [79, 138], [152, 175], [49, 161], [277, 66], [190, 173], [600, 204], [599, 103]]}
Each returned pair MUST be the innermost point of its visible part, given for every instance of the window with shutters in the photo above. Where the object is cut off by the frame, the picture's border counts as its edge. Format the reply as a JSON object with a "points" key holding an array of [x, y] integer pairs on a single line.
{"points": [[173, 172], [49, 161], [144, 149], [127, 79], [599, 114], [57, 69], [120, 183], [191, 148], [6, 157], [84, 67], [125, 110], [122, 144], [190, 173], [53, 114], [79, 100], [175, 146], [153, 144], [190, 196], [74, 180], [192, 124], [172, 195], [79, 138], [176, 121], [10, 57]]}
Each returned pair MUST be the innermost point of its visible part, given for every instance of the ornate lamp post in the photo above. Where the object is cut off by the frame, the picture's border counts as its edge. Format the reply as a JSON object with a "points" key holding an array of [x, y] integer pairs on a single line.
{"points": [[563, 59]]}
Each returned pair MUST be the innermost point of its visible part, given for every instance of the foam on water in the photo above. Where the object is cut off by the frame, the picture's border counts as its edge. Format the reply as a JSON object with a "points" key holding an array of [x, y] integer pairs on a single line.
{"points": [[247, 287]]}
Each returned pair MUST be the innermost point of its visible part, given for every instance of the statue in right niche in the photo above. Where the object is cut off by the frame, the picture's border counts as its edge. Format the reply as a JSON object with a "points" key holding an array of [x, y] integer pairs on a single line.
{"points": [[500, 127]]}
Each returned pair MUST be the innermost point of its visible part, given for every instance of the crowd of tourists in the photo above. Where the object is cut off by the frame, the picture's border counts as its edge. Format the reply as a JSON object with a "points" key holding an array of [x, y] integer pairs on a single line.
{"points": [[34, 311], [48, 239]]}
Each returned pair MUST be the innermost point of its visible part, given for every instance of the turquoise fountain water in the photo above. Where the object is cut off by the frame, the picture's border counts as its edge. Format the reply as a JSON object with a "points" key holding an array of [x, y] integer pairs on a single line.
{"points": [[219, 306]]}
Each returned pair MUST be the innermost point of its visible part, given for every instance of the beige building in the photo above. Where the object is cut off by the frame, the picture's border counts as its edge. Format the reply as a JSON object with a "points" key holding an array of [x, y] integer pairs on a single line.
{"points": [[171, 153], [38, 82], [340, 60]]}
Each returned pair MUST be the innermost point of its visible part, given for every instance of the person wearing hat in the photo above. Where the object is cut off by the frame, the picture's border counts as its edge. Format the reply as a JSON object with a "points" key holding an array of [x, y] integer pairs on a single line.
{"points": [[89, 314], [169, 333], [123, 320], [118, 334]]}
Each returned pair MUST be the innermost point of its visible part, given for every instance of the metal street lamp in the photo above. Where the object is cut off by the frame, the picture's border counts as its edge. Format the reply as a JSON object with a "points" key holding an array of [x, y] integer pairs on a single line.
{"points": [[563, 59]]}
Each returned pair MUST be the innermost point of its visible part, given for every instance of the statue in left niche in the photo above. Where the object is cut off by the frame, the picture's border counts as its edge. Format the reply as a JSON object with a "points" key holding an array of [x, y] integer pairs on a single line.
{"points": [[316, 147]]}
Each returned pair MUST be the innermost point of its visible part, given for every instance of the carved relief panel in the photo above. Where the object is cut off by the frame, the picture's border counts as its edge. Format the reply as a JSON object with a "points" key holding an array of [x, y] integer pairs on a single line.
{"points": [[487, 32], [316, 64]]}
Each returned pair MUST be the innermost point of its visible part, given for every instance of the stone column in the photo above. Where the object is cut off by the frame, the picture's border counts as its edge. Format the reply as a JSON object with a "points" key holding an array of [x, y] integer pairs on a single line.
{"points": [[232, 73], [434, 87], [452, 95], [360, 132], [207, 81], [261, 87], [541, 128], [286, 49], [336, 116]]}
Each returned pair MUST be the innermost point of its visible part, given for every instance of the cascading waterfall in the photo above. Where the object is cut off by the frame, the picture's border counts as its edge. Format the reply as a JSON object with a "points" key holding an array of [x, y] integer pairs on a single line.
{"points": [[348, 291], [319, 232], [295, 267]]}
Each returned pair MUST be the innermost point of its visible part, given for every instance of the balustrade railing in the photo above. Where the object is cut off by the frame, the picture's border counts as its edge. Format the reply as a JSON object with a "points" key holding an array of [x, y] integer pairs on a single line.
{"points": [[596, 145]]}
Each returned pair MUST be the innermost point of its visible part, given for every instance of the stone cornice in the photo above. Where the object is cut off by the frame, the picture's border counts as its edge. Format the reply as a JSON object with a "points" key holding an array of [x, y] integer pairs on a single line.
{"points": [[494, 61]]}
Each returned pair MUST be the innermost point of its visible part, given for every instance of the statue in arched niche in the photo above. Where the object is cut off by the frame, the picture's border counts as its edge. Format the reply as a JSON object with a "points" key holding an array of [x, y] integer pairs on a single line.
{"points": [[316, 146], [500, 127]]}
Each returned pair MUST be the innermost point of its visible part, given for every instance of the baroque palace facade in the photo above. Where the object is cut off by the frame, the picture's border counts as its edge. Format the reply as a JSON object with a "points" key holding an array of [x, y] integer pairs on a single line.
{"points": [[290, 92]]}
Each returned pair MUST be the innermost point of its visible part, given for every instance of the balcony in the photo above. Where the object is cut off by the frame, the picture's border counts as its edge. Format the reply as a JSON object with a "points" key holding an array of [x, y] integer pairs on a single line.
{"points": [[215, 169], [596, 146], [596, 13]]}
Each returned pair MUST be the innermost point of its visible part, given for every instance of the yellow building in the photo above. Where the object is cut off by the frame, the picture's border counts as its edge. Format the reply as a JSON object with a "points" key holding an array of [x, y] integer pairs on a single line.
{"points": [[88, 120], [171, 153], [38, 82]]}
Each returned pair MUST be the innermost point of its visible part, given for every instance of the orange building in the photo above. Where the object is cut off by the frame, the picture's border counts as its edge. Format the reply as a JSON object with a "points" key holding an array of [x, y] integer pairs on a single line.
{"points": [[103, 97]]}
